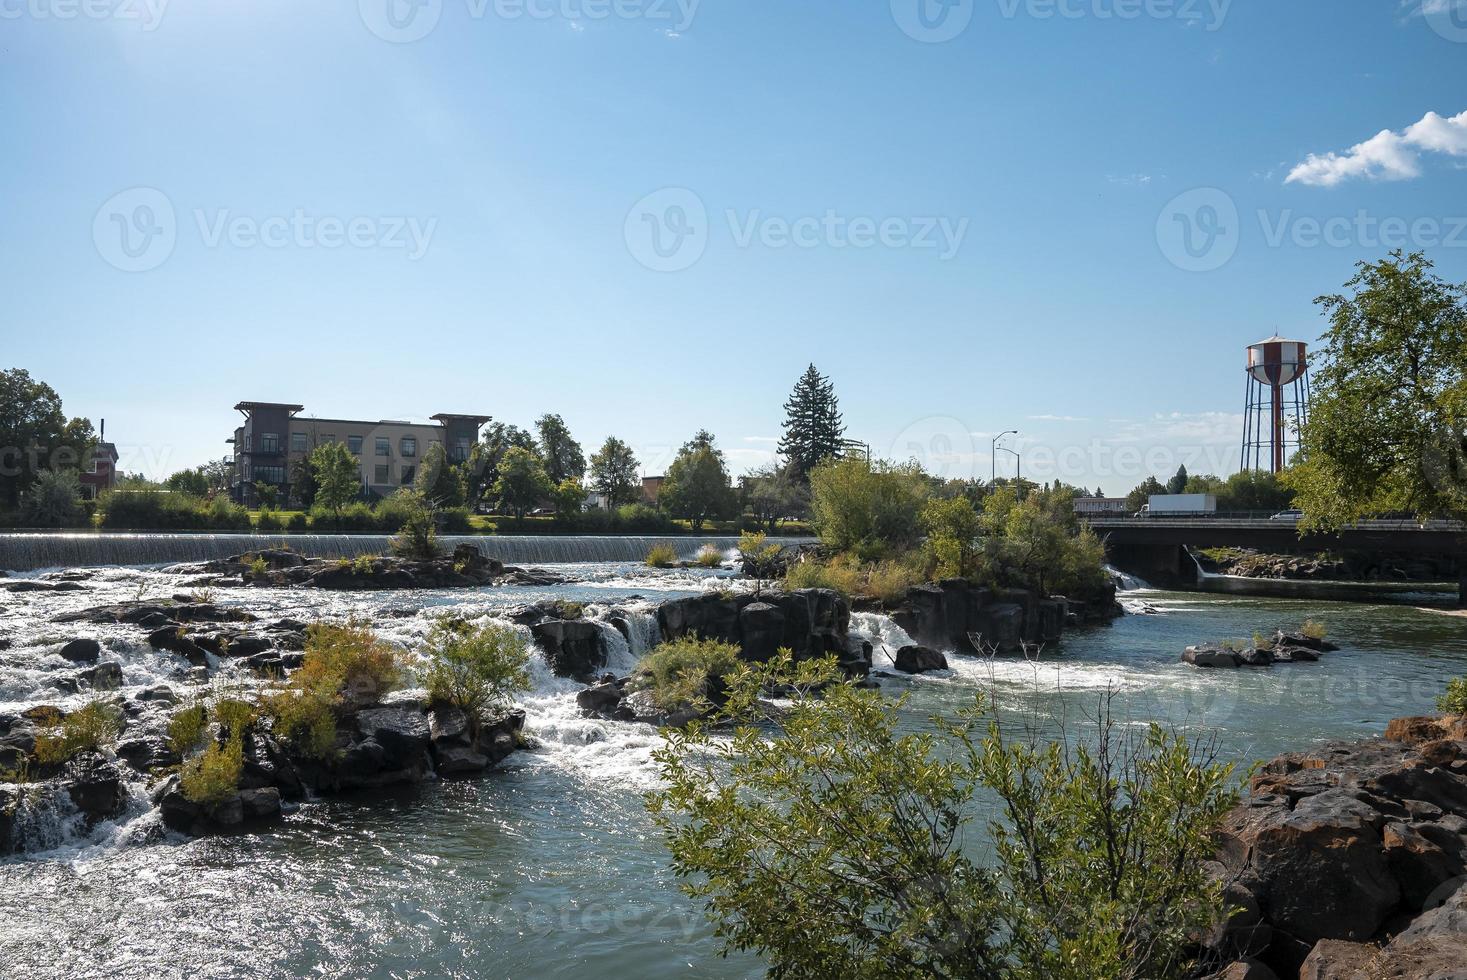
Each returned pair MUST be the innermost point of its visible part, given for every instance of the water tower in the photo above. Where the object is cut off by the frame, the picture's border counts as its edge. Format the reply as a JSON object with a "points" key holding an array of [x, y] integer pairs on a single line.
{"points": [[1276, 403]]}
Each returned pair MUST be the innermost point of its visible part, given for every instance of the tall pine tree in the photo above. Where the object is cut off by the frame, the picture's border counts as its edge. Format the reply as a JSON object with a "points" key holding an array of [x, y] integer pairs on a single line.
{"points": [[812, 424]]}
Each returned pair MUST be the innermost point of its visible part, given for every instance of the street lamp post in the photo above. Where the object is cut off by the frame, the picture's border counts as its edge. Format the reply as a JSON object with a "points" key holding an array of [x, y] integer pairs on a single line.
{"points": [[1018, 471], [993, 454]]}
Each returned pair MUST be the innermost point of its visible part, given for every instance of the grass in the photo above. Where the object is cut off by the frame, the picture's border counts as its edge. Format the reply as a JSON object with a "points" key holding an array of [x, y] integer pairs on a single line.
{"points": [[709, 556], [887, 580], [88, 728], [661, 556], [187, 727], [687, 671], [1313, 629], [213, 775]]}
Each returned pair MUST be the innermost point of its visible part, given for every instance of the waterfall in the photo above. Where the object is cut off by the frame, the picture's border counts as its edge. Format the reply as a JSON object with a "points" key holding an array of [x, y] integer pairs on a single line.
{"points": [[24, 552]]}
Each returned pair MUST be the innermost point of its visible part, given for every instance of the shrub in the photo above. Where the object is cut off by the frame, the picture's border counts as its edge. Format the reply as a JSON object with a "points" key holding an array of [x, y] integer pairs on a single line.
{"points": [[641, 517], [477, 668], [225, 515], [213, 775], [661, 556], [297, 523], [710, 556], [418, 538], [54, 500], [687, 671], [268, 520], [456, 520], [256, 566], [891, 580], [354, 517], [867, 508], [152, 510], [88, 728], [234, 715], [835, 847], [1313, 629], [307, 717], [348, 659], [187, 727], [1454, 701]]}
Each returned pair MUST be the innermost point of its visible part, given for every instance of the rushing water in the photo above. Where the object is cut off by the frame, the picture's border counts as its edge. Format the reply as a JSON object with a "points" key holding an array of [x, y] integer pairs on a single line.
{"points": [[549, 866]]}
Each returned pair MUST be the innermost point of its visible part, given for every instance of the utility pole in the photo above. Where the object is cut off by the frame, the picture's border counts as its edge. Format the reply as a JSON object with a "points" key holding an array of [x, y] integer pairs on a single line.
{"points": [[993, 455]]}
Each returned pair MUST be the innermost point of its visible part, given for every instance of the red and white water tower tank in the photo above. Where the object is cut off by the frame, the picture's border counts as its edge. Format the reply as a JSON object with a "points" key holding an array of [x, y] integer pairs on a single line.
{"points": [[1276, 403]]}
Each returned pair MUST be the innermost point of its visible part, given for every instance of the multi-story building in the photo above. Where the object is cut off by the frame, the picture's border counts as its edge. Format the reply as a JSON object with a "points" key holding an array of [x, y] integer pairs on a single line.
{"points": [[274, 437]]}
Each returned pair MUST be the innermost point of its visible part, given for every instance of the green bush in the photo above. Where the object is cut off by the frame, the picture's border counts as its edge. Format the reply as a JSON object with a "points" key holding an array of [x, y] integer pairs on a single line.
{"points": [[641, 517], [396, 510], [835, 847], [417, 539], [269, 520], [709, 556], [868, 509], [213, 775], [1314, 629], [477, 668], [297, 523], [226, 515], [687, 671], [1454, 702], [661, 556], [356, 517], [90, 727], [152, 510], [456, 520], [306, 717]]}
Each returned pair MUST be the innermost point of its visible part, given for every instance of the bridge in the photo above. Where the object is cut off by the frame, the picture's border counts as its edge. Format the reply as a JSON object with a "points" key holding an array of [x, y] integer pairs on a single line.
{"points": [[1154, 546]]}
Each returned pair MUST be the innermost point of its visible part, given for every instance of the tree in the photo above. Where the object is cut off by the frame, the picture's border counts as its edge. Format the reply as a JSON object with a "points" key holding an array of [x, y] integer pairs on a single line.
{"points": [[338, 477], [192, 482], [54, 500], [562, 454], [952, 528], [760, 557], [1387, 428], [440, 482], [772, 494], [614, 473], [1254, 490], [522, 482], [1037, 543], [36, 435], [303, 482], [868, 509], [570, 497], [1178, 482], [1141, 496], [835, 846], [696, 485], [813, 428]]}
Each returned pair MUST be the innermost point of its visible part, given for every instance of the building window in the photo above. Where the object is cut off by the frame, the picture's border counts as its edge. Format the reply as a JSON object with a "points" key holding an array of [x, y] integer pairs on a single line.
{"points": [[384, 446], [269, 474], [409, 446], [269, 442], [460, 450], [297, 442], [408, 472], [354, 443], [328, 439], [384, 473]]}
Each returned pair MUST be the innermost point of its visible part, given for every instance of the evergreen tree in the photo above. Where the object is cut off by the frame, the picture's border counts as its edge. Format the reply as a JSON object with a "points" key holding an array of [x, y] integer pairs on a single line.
{"points": [[1178, 482], [813, 427]]}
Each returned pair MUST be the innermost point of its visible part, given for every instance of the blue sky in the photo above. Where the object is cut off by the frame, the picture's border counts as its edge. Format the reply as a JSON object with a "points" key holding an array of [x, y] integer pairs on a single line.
{"points": [[969, 235]]}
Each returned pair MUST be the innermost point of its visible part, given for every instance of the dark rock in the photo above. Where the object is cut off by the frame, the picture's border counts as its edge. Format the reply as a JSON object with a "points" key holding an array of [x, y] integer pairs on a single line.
{"points": [[32, 585], [601, 700], [174, 640], [1418, 864], [1337, 959], [1210, 655], [761, 630], [1305, 641], [260, 804], [572, 647], [81, 651], [147, 752], [103, 677], [95, 786], [917, 659], [158, 692]]}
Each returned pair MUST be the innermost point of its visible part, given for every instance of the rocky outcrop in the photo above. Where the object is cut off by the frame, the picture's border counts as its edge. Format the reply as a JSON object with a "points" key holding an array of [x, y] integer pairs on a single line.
{"points": [[572, 647], [1249, 563], [1352, 856], [1283, 648], [919, 659], [954, 614], [466, 567], [808, 622]]}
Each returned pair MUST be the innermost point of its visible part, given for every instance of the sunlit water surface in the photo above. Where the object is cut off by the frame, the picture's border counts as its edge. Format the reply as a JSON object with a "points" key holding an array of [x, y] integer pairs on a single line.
{"points": [[549, 866]]}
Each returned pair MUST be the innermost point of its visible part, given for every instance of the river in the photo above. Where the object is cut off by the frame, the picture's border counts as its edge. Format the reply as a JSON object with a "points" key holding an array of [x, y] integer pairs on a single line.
{"points": [[549, 866]]}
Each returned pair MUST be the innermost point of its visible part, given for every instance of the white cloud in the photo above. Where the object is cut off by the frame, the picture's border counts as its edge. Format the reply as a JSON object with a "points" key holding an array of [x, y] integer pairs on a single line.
{"points": [[1387, 155], [1129, 180], [1056, 418]]}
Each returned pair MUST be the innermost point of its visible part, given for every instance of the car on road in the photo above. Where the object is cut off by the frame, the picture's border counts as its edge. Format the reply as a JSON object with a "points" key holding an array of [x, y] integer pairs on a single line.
{"points": [[1288, 515]]}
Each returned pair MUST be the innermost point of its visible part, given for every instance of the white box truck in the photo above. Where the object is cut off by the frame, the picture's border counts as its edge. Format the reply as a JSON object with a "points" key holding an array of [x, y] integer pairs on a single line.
{"points": [[1179, 504]]}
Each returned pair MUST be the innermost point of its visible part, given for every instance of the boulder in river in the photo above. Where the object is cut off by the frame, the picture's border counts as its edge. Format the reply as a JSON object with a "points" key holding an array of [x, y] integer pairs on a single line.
{"points": [[918, 659], [83, 650]]}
